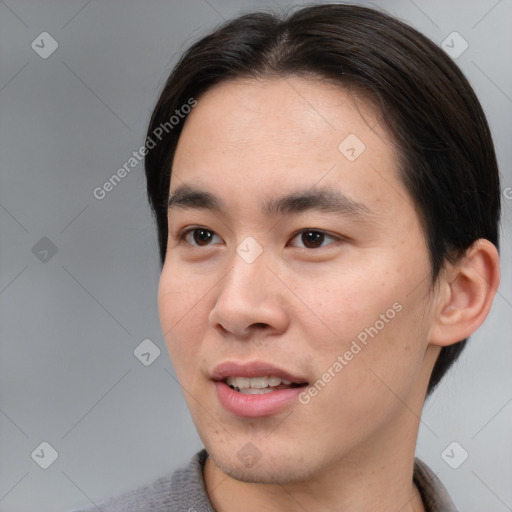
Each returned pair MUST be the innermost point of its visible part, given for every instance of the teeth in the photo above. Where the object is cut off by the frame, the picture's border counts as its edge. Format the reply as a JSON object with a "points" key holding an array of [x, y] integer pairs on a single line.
{"points": [[238, 382], [251, 391], [274, 381], [258, 382], [244, 383]]}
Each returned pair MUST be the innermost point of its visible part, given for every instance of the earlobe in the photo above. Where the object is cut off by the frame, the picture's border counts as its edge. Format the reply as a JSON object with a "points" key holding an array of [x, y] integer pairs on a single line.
{"points": [[465, 294]]}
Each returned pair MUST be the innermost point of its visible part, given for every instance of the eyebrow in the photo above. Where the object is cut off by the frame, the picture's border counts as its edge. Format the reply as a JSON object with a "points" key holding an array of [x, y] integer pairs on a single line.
{"points": [[324, 200]]}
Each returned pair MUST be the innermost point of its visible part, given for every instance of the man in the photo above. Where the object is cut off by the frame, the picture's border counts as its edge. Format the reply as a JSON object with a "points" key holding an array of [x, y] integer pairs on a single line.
{"points": [[327, 201]]}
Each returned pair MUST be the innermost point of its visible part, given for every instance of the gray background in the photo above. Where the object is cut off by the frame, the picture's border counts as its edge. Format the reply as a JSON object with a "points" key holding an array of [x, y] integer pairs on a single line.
{"points": [[70, 324]]}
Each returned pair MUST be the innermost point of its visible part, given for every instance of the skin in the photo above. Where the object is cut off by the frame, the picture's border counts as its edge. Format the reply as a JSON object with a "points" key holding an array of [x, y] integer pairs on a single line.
{"points": [[352, 446]]}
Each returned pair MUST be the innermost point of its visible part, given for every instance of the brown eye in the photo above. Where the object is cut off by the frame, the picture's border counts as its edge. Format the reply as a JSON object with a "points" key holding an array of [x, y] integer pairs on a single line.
{"points": [[198, 237], [202, 236], [312, 239]]}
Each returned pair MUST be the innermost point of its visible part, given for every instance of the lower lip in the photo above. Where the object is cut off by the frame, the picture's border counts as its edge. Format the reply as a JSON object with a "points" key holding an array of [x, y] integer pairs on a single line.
{"points": [[254, 406]]}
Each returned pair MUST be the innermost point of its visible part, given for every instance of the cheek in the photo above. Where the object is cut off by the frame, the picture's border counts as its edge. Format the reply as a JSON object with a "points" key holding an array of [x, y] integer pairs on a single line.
{"points": [[183, 315], [369, 317], [382, 353], [348, 302], [372, 380]]}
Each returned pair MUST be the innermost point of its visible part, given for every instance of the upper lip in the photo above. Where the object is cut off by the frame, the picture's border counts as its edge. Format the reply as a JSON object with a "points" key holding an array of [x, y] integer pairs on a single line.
{"points": [[253, 369]]}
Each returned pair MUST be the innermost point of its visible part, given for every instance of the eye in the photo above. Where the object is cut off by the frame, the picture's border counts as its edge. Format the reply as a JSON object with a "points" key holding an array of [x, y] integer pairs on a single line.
{"points": [[313, 239], [198, 237]]}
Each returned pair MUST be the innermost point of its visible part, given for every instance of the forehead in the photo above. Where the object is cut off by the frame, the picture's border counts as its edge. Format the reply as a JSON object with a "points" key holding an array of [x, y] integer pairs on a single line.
{"points": [[297, 111], [267, 136]]}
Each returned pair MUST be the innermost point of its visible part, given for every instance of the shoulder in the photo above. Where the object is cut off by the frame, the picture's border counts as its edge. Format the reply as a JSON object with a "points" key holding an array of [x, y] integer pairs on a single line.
{"points": [[433, 493], [181, 491]]}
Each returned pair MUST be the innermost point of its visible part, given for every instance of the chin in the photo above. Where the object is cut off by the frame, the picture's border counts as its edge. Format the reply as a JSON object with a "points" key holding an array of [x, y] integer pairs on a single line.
{"points": [[264, 474], [273, 468]]}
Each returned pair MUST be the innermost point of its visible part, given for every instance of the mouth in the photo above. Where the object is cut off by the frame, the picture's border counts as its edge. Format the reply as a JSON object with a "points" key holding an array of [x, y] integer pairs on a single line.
{"points": [[260, 385], [255, 389]]}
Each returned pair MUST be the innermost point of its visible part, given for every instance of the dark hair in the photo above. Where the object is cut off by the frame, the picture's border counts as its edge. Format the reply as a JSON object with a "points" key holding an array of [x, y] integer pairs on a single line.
{"points": [[446, 154]]}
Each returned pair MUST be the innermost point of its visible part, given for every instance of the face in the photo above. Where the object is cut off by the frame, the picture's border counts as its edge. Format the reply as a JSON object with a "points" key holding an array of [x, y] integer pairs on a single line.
{"points": [[294, 253]]}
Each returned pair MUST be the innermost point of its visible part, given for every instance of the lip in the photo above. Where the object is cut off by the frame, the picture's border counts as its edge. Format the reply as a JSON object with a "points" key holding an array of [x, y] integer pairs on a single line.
{"points": [[254, 406], [253, 369]]}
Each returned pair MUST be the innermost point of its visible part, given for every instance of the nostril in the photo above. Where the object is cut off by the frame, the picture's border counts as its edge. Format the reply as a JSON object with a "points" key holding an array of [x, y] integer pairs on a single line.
{"points": [[259, 325]]}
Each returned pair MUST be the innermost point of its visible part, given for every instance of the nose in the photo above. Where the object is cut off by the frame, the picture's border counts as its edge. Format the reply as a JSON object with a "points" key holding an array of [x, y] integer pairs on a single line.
{"points": [[250, 298]]}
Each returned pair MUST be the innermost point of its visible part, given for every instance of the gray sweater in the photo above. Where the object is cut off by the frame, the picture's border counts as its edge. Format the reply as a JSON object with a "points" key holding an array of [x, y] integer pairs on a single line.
{"points": [[184, 491]]}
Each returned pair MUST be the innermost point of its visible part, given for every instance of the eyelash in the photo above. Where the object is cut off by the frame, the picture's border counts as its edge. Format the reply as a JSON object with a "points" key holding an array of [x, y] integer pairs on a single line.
{"points": [[182, 237]]}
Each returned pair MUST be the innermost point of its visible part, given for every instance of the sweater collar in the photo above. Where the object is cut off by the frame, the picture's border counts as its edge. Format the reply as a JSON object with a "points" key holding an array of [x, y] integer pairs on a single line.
{"points": [[189, 487]]}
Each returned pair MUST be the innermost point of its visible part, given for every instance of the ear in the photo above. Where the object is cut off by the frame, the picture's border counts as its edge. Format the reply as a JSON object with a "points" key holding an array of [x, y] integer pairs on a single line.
{"points": [[465, 294]]}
